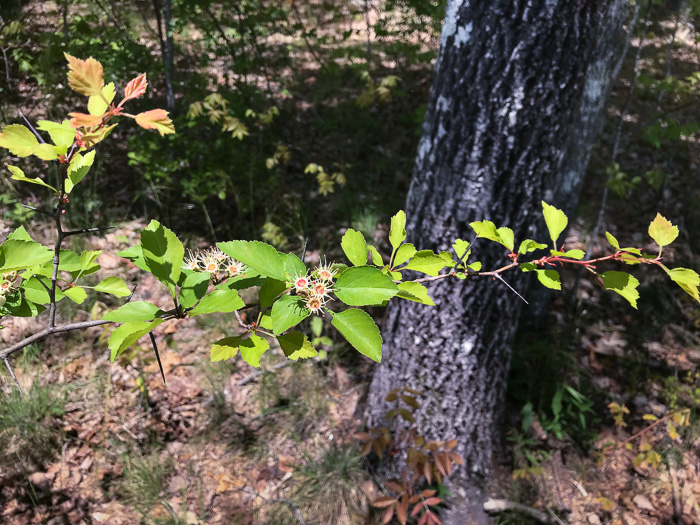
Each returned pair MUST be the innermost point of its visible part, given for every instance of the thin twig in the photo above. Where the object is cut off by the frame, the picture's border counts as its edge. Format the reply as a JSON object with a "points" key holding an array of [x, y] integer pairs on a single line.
{"points": [[500, 278], [12, 373], [39, 210], [36, 133], [155, 349], [88, 230], [494, 506]]}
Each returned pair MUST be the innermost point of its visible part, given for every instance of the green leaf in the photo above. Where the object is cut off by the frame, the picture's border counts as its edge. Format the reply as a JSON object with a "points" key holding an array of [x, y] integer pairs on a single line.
{"points": [[97, 105], [62, 134], [18, 255], [18, 305], [88, 257], [18, 174], [193, 288], [360, 331], [403, 254], [460, 246], [78, 168], [76, 294], [224, 301], [686, 279], [163, 253], [662, 231], [259, 256], [415, 292], [376, 256], [556, 221], [575, 254], [225, 349], [135, 255], [397, 233], [355, 247], [612, 240], [485, 230], [114, 286], [127, 334], [133, 311], [288, 311], [528, 245], [36, 292], [22, 142], [550, 278], [269, 291], [252, 349], [427, 262], [293, 265], [506, 237], [20, 234], [364, 285], [296, 346], [622, 283]]}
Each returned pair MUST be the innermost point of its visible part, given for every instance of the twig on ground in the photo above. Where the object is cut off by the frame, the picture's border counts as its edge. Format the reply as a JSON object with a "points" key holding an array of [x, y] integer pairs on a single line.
{"points": [[494, 506]]}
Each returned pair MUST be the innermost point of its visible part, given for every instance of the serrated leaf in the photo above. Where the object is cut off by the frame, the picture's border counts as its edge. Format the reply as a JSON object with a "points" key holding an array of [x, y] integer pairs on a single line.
{"points": [[252, 349], [78, 169], [506, 237], [62, 134], [36, 292], [85, 76], [426, 261], [397, 233], [556, 221], [550, 278], [358, 328], [193, 288], [355, 247], [377, 259], [22, 142], [18, 174], [296, 346], [18, 255], [575, 254], [623, 284], [662, 231], [133, 311], [225, 348], [76, 294], [687, 279], [98, 104], [364, 285], [84, 120], [415, 292], [528, 245], [135, 88], [20, 234], [223, 301], [460, 247], [259, 256], [156, 119], [163, 253], [288, 311], [269, 291], [127, 334], [404, 253], [114, 286], [293, 265], [612, 240]]}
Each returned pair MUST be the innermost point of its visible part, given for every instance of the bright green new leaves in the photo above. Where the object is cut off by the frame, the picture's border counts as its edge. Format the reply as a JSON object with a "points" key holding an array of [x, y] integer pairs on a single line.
{"points": [[288, 311], [355, 247], [261, 257], [296, 346], [98, 104], [397, 233], [114, 286], [78, 168], [428, 262], [293, 265], [18, 174], [376, 256], [550, 278], [364, 285], [36, 292], [17, 255], [62, 134], [488, 230], [556, 221], [76, 294], [415, 292], [612, 240], [662, 231], [360, 331], [269, 291], [163, 253], [193, 288], [22, 142], [223, 301], [133, 311], [622, 283], [528, 245], [251, 349], [127, 334], [403, 254], [687, 279]]}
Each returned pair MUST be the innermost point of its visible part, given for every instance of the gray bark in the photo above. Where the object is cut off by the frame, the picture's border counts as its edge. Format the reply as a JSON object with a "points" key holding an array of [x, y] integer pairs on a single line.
{"points": [[508, 74]]}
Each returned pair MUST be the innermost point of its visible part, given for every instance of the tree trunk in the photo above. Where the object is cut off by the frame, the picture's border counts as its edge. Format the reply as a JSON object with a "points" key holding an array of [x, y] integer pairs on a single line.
{"points": [[508, 82]]}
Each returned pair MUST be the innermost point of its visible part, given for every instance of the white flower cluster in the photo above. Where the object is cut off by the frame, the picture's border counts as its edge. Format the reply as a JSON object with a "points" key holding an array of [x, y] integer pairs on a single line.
{"points": [[213, 261], [315, 288], [8, 285]]}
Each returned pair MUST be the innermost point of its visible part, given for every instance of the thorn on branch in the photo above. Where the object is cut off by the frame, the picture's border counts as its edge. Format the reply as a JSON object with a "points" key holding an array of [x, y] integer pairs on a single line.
{"points": [[88, 230], [12, 373], [155, 348], [498, 276], [38, 210]]}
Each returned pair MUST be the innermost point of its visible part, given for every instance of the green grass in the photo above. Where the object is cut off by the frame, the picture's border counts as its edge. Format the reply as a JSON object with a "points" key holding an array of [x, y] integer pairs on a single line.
{"points": [[143, 481]]}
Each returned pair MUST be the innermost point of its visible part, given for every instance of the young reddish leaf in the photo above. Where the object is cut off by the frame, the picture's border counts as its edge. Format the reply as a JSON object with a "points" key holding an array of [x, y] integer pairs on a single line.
{"points": [[433, 501], [423, 519], [417, 508], [428, 472], [402, 509], [83, 120], [440, 466], [395, 486], [85, 76], [366, 448], [384, 501], [378, 449], [452, 443], [156, 119], [414, 498], [428, 493], [135, 88], [362, 436], [388, 514]]}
